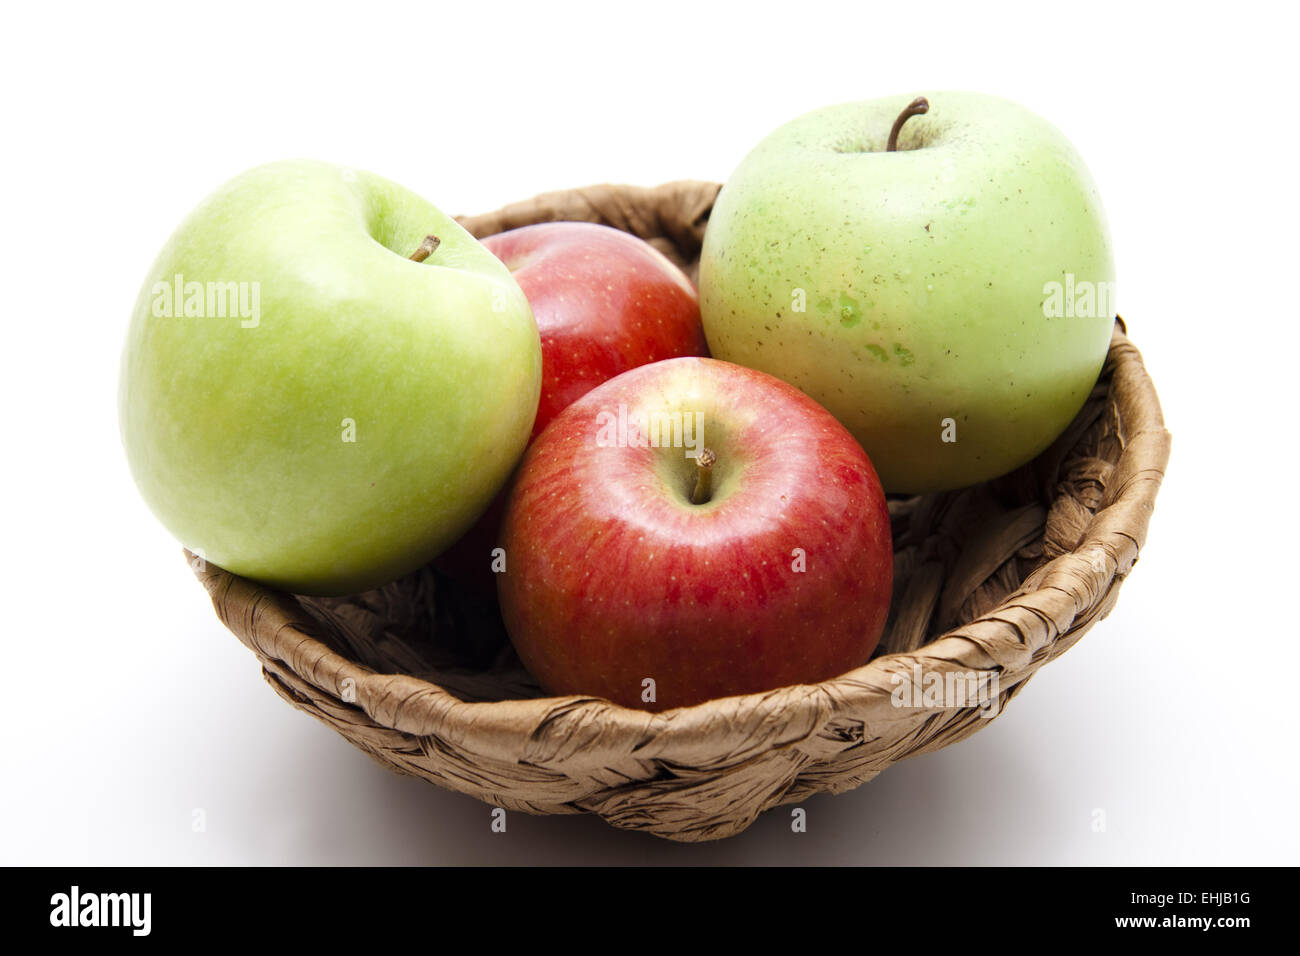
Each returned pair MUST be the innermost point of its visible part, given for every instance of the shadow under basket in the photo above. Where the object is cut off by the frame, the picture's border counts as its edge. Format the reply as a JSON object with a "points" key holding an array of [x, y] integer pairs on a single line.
{"points": [[991, 583]]}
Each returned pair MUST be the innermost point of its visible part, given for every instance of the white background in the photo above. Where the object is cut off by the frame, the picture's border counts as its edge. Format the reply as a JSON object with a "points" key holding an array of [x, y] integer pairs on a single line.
{"points": [[128, 704]]}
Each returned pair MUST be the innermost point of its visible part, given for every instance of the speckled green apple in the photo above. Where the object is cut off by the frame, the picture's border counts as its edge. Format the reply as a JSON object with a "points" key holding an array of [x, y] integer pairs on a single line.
{"points": [[949, 301], [303, 403]]}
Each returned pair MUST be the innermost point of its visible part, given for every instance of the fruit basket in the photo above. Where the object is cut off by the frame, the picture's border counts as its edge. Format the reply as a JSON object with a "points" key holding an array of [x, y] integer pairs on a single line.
{"points": [[991, 582]]}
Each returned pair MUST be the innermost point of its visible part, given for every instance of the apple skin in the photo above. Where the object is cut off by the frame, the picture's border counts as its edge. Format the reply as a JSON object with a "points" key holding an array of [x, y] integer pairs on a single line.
{"points": [[605, 301], [923, 273], [237, 436], [614, 576]]}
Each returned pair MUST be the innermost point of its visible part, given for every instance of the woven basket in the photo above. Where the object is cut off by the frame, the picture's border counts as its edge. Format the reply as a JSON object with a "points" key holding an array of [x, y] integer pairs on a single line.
{"points": [[993, 580]]}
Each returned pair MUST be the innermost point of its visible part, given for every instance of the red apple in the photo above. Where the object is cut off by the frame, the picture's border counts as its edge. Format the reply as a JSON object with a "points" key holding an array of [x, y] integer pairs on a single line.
{"points": [[623, 568], [605, 302]]}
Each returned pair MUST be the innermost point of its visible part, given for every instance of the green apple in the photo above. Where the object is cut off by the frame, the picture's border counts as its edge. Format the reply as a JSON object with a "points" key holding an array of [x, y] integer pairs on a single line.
{"points": [[950, 301], [304, 401]]}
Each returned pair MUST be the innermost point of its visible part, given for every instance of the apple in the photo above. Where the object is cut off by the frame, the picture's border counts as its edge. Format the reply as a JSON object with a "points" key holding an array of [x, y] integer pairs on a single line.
{"points": [[326, 380], [605, 301], [689, 530], [949, 300]]}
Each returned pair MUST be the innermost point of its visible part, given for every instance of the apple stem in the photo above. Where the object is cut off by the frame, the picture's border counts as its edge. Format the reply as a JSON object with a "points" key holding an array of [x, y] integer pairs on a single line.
{"points": [[915, 108], [703, 477], [426, 248]]}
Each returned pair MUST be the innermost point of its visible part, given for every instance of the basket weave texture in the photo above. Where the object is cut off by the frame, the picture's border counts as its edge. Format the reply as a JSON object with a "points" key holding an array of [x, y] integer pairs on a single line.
{"points": [[993, 580]]}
